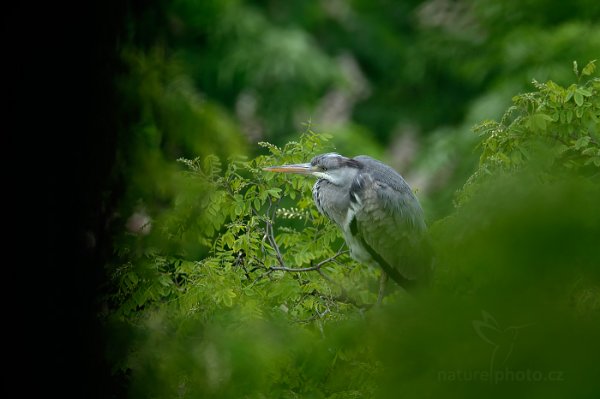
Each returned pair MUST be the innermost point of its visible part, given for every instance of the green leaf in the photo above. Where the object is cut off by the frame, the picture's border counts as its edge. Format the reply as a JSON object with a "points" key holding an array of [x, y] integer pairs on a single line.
{"points": [[132, 278], [139, 298], [239, 208], [539, 120], [582, 142], [165, 280], [589, 68], [570, 92], [563, 116], [228, 239], [578, 98], [275, 192], [584, 92], [225, 296]]}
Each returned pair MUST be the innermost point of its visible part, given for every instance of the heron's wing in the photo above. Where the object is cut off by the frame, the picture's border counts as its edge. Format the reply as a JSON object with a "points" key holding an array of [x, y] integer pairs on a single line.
{"points": [[387, 219]]}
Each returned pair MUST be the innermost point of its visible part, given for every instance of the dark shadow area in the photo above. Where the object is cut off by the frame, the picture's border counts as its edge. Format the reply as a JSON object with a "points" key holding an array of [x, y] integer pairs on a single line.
{"points": [[63, 125]]}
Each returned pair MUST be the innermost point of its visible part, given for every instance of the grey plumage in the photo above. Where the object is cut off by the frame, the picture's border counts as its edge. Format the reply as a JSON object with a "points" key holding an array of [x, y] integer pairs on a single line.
{"points": [[379, 215]]}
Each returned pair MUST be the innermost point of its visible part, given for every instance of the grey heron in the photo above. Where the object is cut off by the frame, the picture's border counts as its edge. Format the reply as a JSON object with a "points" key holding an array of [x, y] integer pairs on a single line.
{"points": [[381, 219]]}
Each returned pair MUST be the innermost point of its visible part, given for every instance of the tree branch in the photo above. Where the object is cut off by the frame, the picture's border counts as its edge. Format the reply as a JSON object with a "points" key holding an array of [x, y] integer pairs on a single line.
{"points": [[270, 235], [311, 268]]}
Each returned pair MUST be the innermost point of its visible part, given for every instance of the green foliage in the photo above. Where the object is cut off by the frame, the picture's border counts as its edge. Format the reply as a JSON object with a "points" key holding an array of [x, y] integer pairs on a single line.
{"points": [[267, 244], [232, 358], [524, 251], [240, 288], [246, 57], [213, 76], [272, 258], [240, 323], [555, 127]]}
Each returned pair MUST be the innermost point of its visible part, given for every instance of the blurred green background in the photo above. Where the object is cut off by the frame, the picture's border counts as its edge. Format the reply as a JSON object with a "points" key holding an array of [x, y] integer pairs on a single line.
{"points": [[515, 310], [403, 81]]}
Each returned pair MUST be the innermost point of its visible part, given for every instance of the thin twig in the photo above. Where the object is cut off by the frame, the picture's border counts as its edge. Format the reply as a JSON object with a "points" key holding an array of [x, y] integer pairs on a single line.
{"points": [[311, 268], [315, 317], [270, 236]]}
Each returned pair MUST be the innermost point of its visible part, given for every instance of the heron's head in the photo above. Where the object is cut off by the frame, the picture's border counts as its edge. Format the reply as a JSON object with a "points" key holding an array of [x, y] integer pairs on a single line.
{"points": [[333, 167]]}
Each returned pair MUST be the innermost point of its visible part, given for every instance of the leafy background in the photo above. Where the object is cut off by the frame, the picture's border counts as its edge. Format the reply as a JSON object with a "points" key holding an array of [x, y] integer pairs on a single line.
{"points": [[175, 106]]}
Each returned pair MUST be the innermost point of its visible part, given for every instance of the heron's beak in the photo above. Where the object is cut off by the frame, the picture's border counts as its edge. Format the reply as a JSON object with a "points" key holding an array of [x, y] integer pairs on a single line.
{"points": [[299, 168]]}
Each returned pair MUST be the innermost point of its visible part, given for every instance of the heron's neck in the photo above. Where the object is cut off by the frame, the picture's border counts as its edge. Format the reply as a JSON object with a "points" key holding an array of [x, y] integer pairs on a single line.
{"points": [[332, 200], [340, 177]]}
